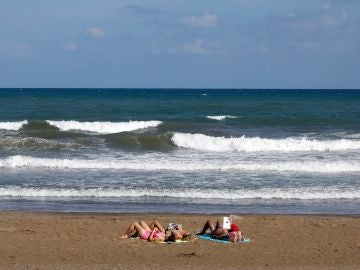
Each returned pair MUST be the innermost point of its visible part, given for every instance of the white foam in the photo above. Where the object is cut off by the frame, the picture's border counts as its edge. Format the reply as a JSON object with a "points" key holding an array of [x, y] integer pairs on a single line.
{"points": [[12, 125], [256, 144], [353, 136], [175, 165], [220, 117], [265, 193], [103, 127]]}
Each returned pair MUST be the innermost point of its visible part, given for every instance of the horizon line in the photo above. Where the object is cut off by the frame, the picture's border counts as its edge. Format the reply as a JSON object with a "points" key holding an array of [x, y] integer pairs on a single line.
{"points": [[168, 88]]}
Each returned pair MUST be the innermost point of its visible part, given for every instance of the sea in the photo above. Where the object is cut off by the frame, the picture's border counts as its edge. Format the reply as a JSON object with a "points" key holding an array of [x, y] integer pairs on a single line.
{"points": [[180, 151]]}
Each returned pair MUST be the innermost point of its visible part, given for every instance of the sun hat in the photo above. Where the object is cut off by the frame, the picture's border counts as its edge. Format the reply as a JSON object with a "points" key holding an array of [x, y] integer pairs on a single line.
{"points": [[234, 227]]}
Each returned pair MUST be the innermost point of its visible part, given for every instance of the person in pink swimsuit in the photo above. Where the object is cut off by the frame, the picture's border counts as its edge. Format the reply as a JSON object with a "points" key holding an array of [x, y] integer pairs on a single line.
{"points": [[154, 232]]}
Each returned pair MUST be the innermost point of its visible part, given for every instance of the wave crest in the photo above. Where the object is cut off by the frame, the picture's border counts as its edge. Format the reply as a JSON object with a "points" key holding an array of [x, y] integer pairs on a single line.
{"points": [[171, 165], [221, 117], [256, 144], [12, 125], [103, 127], [265, 193]]}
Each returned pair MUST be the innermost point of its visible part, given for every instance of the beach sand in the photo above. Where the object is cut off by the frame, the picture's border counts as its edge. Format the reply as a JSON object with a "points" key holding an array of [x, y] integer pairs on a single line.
{"points": [[90, 241]]}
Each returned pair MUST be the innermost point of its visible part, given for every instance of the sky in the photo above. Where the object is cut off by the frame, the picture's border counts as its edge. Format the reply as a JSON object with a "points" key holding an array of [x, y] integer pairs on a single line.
{"points": [[180, 44]]}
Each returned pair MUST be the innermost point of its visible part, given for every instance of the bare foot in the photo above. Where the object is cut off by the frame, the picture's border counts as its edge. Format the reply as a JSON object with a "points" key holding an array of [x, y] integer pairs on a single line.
{"points": [[124, 236], [187, 237]]}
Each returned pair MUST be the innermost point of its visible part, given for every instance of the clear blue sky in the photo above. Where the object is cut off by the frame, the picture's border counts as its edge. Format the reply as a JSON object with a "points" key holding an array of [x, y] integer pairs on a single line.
{"points": [[180, 43]]}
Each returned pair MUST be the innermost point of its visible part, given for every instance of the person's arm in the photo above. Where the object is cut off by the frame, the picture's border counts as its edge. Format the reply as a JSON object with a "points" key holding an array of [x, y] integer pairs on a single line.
{"points": [[151, 237], [158, 225], [158, 238]]}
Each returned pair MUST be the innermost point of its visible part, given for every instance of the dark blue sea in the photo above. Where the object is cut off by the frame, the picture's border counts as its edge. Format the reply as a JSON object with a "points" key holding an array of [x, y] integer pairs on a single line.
{"points": [[180, 150]]}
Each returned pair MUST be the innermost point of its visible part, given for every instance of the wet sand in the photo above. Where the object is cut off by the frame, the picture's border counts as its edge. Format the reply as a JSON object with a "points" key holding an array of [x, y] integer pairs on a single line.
{"points": [[90, 241]]}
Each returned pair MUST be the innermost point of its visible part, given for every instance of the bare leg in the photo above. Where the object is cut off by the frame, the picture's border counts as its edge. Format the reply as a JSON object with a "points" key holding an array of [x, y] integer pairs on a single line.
{"points": [[134, 233], [145, 226], [133, 227], [208, 225], [156, 224]]}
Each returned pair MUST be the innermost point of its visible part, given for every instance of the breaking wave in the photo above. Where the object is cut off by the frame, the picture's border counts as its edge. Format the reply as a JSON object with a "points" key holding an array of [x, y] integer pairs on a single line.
{"points": [[256, 144], [99, 127], [265, 193], [146, 141], [103, 127], [12, 125], [175, 165]]}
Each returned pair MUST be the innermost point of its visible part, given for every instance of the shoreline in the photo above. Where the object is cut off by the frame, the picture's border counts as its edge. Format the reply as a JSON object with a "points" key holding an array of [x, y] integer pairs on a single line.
{"points": [[54, 240], [112, 213]]}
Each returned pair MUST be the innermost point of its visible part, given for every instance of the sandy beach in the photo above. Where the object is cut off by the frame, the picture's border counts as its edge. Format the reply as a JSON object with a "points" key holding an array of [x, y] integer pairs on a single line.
{"points": [[90, 241]]}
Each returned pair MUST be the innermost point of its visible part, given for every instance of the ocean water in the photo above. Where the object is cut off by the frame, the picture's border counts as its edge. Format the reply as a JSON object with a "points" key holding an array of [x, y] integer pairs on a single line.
{"points": [[176, 150]]}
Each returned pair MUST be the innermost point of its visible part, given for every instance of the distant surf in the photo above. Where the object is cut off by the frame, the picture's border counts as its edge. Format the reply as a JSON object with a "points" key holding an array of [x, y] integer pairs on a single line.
{"points": [[103, 127], [221, 117], [96, 126]]}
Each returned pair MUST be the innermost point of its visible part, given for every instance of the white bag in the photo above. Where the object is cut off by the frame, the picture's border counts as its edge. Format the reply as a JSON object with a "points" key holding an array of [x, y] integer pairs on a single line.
{"points": [[227, 222]]}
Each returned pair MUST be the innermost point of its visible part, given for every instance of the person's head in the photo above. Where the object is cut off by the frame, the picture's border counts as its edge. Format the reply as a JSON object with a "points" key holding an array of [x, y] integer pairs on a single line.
{"points": [[174, 226], [171, 235], [168, 236]]}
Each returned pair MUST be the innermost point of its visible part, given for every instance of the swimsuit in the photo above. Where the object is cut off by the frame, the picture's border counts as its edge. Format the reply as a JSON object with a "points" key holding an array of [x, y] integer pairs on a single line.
{"points": [[158, 234], [146, 235]]}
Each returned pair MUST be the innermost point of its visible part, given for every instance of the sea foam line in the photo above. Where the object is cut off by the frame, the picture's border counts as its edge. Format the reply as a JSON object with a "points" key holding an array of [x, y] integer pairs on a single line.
{"points": [[265, 193], [175, 165], [12, 125], [256, 144], [103, 127]]}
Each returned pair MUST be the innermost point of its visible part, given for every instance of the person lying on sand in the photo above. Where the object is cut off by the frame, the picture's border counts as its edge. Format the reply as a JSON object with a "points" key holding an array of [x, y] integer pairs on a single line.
{"points": [[154, 232], [218, 232], [175, 232]]}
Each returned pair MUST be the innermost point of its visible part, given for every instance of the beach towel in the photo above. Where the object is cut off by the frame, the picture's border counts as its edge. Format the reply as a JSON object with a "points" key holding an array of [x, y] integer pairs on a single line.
{"points": [[176, 242], [162, 242], [208, 237]]}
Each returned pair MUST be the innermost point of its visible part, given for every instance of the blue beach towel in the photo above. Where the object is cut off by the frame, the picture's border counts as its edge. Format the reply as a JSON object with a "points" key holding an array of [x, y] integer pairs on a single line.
{"points": [[208, 237]]}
